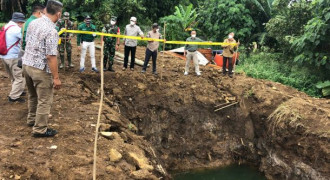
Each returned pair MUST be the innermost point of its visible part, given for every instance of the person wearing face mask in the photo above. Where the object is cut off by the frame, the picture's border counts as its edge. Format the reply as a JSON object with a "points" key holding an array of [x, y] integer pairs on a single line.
{"points": [[130, 44], [152, 49], [10, 59], [65, 23], [40, 68], [111, 44], [87, 41], [190, 51], [228, 53]]}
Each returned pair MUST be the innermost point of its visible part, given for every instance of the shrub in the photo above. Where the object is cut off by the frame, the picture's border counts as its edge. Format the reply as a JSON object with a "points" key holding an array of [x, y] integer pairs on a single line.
{"points": [[275, 67]]}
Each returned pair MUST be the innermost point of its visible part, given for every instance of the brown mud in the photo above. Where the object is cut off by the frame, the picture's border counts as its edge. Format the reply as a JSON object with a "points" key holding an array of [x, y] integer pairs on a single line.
{"points": [[167, 123]]}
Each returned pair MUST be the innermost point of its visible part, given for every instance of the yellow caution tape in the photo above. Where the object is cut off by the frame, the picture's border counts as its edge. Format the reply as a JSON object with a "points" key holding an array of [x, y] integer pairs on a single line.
{"points": [[146, 39]]}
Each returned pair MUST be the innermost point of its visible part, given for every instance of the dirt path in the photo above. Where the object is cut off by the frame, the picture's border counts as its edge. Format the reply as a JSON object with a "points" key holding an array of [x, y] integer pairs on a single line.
{"points": [[176, 118]]}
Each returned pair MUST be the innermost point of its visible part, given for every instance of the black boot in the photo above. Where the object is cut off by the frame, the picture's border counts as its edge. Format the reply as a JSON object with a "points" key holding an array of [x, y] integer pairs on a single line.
{"points": [[104, 64], [62, 61], [70, 62], [111, 69]]}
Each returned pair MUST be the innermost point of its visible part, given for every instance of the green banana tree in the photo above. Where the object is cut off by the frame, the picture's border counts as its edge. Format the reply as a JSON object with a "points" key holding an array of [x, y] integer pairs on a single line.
{"points": [[183, 20]]}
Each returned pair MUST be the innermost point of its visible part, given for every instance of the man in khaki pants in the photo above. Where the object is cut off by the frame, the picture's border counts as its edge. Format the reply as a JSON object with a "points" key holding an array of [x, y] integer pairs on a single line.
{"points": [[10, 60], [191, 52], [40, 68]]}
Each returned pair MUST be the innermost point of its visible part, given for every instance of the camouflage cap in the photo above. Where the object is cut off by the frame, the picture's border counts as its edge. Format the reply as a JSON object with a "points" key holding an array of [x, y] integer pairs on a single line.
{"points": [[66, 15], [114, 18], [88, 19]]}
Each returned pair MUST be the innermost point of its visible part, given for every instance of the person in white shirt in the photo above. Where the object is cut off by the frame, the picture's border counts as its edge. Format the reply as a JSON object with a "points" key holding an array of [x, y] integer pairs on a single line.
{"points": [[10, 60], [130, 44]]}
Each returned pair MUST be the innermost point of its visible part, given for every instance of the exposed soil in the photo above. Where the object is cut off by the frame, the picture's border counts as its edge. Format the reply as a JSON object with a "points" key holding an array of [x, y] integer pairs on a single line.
{"points": [[167, 123]]}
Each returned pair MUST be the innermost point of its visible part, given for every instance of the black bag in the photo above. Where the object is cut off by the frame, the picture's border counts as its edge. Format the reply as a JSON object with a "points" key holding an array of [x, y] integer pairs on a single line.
{"points": [[20, 55]]}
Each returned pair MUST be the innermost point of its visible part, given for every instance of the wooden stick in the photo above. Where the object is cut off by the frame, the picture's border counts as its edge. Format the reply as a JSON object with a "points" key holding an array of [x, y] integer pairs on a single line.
{"points": [[66, 35], [225, 106], [161, 71], [222, 104], [234, 65], [100, 111]]}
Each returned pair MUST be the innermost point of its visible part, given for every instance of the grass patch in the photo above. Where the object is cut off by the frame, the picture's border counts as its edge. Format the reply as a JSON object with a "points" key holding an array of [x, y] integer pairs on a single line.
{"points": [[274, 67]]}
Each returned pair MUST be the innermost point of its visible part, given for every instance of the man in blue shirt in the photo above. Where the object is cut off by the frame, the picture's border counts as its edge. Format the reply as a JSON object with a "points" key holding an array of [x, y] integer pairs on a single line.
{"points": [[10, 60]]}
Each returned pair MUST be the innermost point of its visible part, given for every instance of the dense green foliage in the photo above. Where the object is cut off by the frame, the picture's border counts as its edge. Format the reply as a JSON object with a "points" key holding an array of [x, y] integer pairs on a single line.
{"points": [[312, 45], [292, 37], [180, 22], [217, 18]]}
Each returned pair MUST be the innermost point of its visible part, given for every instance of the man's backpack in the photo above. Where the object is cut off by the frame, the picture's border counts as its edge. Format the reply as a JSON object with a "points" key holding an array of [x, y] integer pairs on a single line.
{"points": [[3, 44]]}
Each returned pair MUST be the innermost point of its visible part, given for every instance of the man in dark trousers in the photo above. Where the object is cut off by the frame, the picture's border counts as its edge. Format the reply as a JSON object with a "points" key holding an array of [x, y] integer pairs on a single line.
{"points": [[111, 44], [130, 44], [65, 23], [152, 49], [40, 68], [228, 53]]}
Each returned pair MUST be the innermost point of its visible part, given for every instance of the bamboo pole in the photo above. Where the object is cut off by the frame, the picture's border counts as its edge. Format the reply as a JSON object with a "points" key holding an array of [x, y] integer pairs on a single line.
{"points": [[225, 106], [100, 111], [161, 71], [234, 65], [222, 104], [66, 35]]}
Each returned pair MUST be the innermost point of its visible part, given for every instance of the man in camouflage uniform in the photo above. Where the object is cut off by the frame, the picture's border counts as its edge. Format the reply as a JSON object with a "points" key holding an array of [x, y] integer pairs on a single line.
{"points": [[65, 23], [111, 44]]}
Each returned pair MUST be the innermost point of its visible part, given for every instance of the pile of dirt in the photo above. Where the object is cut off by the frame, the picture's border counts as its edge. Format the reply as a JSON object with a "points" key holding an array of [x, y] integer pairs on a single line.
{"points": [[168, 122]]}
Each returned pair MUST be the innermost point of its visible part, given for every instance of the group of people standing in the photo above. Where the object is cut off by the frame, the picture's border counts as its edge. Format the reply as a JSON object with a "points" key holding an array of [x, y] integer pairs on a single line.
{"points": [[32, 46], [31, 60]]}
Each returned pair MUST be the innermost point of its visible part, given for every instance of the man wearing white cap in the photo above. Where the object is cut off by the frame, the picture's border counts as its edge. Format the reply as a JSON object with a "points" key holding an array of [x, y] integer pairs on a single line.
{"points": [[130, 44]]}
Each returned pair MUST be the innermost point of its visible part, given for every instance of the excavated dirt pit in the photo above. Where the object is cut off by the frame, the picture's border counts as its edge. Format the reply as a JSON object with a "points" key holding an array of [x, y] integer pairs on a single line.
{"points": [[168, 123]]}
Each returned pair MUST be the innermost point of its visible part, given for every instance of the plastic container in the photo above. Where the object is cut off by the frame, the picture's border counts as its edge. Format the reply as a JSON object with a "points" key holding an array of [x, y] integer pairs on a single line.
{"points": [[218, 59]]}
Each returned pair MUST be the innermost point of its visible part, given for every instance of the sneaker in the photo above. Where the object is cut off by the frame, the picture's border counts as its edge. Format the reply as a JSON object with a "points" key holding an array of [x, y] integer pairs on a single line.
{"points": [[143, 71], [49, 133], [198, 74], [30, 124], [105, 69], [82, 69], [20, 100], [23, 94], [154, 73], [124, 69], [230, 75], [95, 70], [132, 69], [71, 66], [61, 66], [185, 73]]}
